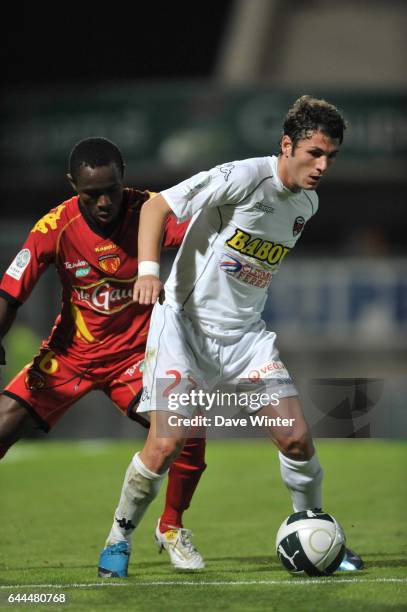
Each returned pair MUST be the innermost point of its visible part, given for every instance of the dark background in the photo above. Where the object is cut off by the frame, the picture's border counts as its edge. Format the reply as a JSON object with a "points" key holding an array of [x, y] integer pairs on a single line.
{"points": [[81, 44], [81, 41]]}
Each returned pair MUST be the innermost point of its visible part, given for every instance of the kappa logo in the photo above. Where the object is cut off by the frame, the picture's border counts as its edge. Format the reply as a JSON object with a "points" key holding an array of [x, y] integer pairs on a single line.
{"points": [[109, 263], [105, 247], [145, 396], [125, 524], [49, 221], [194, 189], [298, 225], [226, 170], [264, 208], [263, 250]]}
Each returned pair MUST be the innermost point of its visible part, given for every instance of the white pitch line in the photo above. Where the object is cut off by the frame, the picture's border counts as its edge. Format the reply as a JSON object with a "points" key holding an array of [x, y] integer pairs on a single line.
{"points": [[64, 586], [290, 582]]}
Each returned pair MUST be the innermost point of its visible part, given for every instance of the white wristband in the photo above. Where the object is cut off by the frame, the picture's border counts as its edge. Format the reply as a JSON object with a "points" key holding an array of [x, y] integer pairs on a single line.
{"points": [[149, 268]]}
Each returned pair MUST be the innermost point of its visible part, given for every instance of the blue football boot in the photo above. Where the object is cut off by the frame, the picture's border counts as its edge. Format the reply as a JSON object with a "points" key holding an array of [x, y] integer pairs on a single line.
{"points": [[351, 562], [114, 561]]}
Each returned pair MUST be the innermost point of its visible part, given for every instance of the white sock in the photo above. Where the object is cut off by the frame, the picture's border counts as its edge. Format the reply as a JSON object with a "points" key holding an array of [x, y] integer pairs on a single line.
{"points": [[140, 487], [303, 480]]}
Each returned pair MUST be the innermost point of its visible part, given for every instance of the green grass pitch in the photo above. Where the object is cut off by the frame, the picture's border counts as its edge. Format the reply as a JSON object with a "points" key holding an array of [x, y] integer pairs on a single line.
{"points": [[57, 499]]}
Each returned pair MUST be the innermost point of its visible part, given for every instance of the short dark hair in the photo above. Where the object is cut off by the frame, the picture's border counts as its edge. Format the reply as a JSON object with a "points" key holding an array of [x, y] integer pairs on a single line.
{"points": [[308, 115], [94, 152]]}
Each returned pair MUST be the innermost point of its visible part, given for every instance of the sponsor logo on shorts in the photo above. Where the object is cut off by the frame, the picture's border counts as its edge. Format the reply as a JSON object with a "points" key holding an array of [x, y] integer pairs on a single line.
{"points": [[109, 263], [133, 369], [298, 225], [226, 170], [19, 264], [270, 369], [262, 250]]}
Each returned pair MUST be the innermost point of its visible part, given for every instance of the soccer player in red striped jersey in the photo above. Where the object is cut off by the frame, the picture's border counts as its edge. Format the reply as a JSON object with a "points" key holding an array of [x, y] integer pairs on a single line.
{"points": [[98, 339]]}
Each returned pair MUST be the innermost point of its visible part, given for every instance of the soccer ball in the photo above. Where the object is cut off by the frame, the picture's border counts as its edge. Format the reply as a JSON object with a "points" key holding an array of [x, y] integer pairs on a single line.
{"points": [[310, 542]]}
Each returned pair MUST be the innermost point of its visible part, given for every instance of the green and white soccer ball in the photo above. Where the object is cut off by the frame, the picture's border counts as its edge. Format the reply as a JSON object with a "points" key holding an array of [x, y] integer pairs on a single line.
{"points": [[311, 542]]}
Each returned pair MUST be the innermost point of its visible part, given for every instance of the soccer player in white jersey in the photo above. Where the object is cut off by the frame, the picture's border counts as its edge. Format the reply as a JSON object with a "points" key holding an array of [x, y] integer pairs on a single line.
{"points": [[246, 217]]}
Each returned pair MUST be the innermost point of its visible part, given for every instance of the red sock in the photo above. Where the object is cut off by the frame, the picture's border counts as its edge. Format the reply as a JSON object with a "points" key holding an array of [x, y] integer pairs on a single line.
{"points": [[183, 479]]}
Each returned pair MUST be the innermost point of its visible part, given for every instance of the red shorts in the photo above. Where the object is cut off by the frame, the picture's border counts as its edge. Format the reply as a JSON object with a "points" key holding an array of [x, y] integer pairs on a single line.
{"points": [[51, 383]]}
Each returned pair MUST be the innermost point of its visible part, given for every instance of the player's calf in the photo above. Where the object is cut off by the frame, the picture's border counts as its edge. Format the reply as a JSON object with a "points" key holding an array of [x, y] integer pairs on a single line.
{"points": [[15, 422]]}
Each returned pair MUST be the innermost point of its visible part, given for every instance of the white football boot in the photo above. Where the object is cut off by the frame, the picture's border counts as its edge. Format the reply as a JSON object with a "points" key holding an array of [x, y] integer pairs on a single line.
{"points": [[177, 543]]}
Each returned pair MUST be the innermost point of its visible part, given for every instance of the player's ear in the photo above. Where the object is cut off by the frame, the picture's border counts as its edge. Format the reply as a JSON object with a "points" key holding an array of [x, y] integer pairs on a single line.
{"points": [[70, 179], [286, 145]]}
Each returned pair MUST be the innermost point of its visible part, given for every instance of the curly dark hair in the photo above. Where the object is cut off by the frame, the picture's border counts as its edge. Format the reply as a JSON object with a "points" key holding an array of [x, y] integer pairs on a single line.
{"points": [[308, 115], [94, 152]]}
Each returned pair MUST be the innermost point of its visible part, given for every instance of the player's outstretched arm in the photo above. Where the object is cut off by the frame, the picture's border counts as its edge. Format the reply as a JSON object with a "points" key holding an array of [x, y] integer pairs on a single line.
{"points": [[7, 315], [152, 223]]}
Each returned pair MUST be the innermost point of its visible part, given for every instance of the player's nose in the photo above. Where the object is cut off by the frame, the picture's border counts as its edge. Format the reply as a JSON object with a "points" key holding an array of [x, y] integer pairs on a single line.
{"points": [[104, 201], [322, 164]]}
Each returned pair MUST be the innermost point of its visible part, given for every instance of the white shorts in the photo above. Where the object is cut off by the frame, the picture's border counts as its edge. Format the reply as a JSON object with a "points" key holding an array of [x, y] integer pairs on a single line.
{"points": [[179, 359]]}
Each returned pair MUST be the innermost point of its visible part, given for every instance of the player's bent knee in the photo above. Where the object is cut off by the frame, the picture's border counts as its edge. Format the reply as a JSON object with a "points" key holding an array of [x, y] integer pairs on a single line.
{"points": [[168, 448], [13, 419], [299, 448], [14, 423]]}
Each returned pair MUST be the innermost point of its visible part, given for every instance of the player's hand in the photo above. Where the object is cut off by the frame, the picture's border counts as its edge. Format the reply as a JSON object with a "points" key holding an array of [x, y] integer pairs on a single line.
{"points": [[147, 289], [2, 355]]}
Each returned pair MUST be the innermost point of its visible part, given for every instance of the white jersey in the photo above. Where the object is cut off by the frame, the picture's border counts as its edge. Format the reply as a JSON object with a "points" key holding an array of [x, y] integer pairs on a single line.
{"points": [[244, 223]]}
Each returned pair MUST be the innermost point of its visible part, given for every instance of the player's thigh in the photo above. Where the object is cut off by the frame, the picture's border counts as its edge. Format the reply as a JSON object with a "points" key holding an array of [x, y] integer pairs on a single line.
{"points": [[48, 386], [172, 365], [254, 363], [125, 386], [288, 429]]}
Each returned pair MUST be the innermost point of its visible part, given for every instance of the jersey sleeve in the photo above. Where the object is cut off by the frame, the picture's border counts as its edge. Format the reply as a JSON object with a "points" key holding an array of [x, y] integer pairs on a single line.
{"points": [[174, 231], [34, 257], [226, 184]]}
